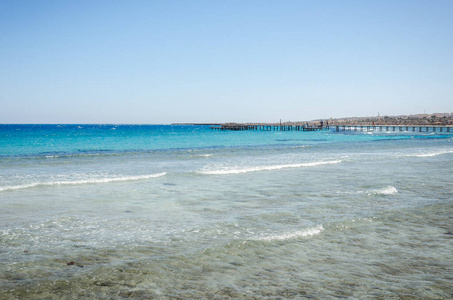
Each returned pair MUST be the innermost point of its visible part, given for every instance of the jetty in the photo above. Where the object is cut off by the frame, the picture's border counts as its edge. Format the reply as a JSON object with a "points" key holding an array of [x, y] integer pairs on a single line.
{"points": [[396, 128], [270, 127], [334, 128]]}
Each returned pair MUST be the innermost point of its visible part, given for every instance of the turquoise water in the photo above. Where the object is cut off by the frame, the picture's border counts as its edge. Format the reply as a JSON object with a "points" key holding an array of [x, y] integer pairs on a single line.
{"points": [[128, 211]]}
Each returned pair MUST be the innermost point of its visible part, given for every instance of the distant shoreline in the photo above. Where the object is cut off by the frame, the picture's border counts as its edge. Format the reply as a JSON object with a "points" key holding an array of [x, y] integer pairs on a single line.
{"points": [[440, 119]]}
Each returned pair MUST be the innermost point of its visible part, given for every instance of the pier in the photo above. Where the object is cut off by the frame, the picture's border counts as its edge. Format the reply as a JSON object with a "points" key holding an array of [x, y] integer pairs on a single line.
{"points": [[396, 128], [270, 127], [335, 128]]}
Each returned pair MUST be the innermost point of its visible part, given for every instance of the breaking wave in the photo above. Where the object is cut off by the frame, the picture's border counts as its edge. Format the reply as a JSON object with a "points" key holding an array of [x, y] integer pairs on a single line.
{"points": [[390, 190], [226, 171], [84, 181], [429, 154], [293, 235]]}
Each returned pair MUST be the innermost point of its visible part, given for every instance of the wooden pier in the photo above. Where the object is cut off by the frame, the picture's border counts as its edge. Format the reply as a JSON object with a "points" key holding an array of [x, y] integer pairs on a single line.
{"points": [[269, 127], [336, 128], [396, 128]]}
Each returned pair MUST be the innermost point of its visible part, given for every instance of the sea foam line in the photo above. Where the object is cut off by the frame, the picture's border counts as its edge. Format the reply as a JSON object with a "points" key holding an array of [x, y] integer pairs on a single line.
{"points": [[429, 154], [86, 181], [389, 190], [293, 235], [268, 168]]}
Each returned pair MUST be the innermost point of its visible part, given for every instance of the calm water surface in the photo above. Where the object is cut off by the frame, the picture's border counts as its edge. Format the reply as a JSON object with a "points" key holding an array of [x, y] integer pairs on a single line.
{"points": [[184, 212]]}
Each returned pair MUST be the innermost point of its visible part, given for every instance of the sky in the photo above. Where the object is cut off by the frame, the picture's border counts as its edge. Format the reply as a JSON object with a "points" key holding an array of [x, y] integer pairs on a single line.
{"points": [[161, 62]]}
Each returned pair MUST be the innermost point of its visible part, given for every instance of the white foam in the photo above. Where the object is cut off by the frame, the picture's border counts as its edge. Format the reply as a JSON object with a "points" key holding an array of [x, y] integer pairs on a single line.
{"points": [[86, 181], [429, 154], [293, 235], [267, 168], [389, 190]]}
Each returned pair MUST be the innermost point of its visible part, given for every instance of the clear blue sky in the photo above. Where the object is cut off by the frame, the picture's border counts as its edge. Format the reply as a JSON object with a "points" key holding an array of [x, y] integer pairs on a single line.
{"points": [[226, 60]]}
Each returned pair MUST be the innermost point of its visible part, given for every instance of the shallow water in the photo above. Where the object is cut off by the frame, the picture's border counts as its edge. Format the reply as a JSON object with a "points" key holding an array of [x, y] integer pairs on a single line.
{"points": [[110, 211]]}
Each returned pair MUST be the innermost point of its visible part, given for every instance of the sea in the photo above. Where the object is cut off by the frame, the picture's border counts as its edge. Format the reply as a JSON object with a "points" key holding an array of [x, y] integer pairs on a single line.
{"points": [[187, 212]]}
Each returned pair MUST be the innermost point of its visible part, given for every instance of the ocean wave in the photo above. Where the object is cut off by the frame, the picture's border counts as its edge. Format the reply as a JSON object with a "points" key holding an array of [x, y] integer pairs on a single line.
{"points": [[429, 154], [293, 235], [389, 190], [267, 168], [85, 181]]}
